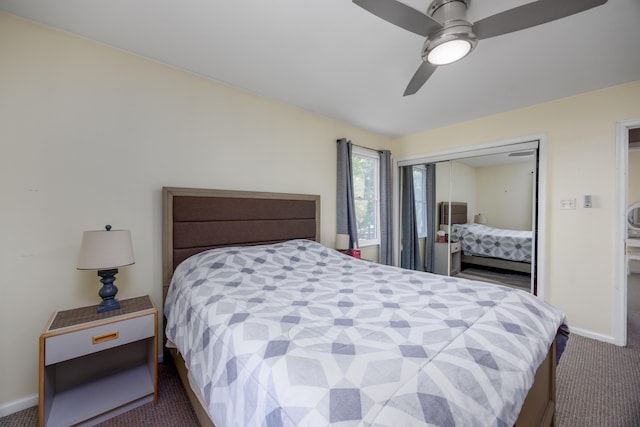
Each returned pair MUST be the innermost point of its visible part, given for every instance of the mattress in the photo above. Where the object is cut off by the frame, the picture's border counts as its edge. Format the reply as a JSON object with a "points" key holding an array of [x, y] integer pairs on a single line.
{"points": [[482, 240], [297, 334]]}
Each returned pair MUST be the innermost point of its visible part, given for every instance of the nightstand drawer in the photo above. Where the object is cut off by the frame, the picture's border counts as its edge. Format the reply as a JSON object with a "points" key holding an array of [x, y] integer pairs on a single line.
{"points": [[455, 247], [90, 340]]}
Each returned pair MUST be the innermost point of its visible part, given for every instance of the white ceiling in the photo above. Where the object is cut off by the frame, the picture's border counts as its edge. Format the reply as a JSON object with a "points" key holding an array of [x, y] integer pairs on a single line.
{"points": [[334, 58]]}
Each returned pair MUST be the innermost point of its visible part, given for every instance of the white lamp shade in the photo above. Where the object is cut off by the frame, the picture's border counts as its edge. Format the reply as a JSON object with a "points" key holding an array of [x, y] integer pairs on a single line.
{"points": [[342, 242], [103, 250], [480, 219]]}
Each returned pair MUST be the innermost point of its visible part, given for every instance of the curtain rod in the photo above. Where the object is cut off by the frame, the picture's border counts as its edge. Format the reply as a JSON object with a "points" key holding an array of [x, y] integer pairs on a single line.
{"points": [[366, 148]]}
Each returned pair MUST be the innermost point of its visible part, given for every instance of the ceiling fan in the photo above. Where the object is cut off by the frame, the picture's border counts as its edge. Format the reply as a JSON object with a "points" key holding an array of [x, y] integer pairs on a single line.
{"points": [[450, 37]]}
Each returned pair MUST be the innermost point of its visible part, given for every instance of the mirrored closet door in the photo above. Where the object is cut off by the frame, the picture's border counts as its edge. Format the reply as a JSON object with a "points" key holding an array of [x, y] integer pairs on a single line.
{"points": [[478, 221]]}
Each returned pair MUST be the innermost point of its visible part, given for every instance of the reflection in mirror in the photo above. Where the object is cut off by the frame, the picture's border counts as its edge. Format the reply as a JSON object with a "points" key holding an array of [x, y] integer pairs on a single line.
{"points": [[410, 254], [501, 186], [417, 198], [633, 220], [634, 216]]}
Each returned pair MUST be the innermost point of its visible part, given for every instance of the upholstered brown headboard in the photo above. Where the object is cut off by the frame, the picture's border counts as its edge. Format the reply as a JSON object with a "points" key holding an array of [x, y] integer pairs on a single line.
{"points": [[458, 212], [195, 220]]}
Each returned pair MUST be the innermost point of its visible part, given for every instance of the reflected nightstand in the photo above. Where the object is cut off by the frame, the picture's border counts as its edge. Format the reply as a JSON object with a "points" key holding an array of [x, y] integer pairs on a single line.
{"points": [[447, 258]]}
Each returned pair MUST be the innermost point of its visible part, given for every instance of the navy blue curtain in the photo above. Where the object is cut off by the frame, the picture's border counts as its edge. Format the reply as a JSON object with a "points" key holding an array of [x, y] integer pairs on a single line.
{"points": [[345, 202], [386, 237], [430, 187], [410, 253]]}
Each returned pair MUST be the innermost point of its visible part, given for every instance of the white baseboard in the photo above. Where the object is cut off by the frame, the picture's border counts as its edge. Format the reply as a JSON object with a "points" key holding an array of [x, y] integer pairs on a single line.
{"points": [[592, 335], [18, 405]]}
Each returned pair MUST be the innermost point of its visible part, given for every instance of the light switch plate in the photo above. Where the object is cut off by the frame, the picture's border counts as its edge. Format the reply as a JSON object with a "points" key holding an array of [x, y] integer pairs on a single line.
{"points": [[567, 203]]}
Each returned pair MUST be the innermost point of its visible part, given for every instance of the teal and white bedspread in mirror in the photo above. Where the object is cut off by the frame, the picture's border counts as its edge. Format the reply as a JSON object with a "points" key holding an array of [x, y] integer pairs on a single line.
{"points": [[297, 334], [482, 240]]}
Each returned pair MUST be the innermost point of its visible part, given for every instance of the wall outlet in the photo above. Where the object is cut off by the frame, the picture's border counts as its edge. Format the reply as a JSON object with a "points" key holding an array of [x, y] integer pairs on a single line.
{"points": [[588, 202], [567, 203]]}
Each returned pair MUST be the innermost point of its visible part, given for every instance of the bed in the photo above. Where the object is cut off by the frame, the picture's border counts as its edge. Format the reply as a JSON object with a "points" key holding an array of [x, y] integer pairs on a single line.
{"points": [[337, 340], [487, 246]]}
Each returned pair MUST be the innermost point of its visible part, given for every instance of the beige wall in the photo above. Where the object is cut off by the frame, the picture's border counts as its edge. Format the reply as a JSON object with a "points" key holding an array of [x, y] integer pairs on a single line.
{"points": [[502, 193], [634, 177], [464, 187], [580, 133], [505, 195], [89, 135], [457, 180], [443, 186]]}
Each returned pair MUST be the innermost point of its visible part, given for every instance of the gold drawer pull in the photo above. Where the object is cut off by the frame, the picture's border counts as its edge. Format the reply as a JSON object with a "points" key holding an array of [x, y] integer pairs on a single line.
{"points": [[97, 339]]}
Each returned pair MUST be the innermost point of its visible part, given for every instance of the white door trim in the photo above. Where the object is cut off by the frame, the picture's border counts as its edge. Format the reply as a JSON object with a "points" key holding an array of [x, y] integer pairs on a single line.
{"points": [[620, 235], [500, 146]]}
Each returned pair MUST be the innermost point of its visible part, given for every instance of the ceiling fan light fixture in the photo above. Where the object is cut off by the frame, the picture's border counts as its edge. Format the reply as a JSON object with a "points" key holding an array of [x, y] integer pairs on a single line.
{"points": [[450, 44], [448, 52], [450, 37]]}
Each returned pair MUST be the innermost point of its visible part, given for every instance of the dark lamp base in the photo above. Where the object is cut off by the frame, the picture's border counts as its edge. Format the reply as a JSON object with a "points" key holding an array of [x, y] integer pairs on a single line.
{"points": [[108, 291], [108, 305]]}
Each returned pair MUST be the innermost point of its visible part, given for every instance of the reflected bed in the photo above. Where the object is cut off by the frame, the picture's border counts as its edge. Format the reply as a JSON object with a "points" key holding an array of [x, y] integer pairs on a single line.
{"points": [[488, 246]]}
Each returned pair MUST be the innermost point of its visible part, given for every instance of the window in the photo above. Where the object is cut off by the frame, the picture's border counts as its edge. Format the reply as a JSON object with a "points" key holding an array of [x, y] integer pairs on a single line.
{"points": [[366, 191], [420, 195]]}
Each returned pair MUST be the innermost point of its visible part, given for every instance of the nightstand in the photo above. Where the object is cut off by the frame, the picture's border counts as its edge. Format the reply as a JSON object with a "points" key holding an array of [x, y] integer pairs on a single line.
{"points": [[94, 366], [447, 258]]}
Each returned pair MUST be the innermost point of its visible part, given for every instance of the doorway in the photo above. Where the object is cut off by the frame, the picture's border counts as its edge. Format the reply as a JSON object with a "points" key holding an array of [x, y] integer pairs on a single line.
{"points": [[627, 302], [456, 189]]}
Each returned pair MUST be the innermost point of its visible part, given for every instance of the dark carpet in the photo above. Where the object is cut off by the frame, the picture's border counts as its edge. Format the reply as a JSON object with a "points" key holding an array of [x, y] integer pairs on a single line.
{"points": [[598, 384], [173, 408]]}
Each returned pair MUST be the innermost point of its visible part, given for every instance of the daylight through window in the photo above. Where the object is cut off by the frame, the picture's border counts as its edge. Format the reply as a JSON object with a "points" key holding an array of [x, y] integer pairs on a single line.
{"points": [[420, 194], [366, 191]]}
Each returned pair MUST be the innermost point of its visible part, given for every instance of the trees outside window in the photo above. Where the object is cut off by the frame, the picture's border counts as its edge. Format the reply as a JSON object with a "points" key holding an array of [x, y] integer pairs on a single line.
{"points": [[366, 189]]}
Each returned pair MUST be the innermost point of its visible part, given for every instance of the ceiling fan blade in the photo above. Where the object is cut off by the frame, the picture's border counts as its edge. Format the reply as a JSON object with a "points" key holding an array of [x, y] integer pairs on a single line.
{"points": [[401, 15], [530, 15], [421, 75]]}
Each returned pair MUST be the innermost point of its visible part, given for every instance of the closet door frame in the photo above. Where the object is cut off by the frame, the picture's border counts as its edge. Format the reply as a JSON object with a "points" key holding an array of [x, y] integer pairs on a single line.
{"points": [[539, 214], [622, 204]]}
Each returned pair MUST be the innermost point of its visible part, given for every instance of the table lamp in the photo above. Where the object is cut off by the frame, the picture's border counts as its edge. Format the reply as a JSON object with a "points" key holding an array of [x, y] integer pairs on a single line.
{"points": [[105, 251], [342, 243], [480, 219]]}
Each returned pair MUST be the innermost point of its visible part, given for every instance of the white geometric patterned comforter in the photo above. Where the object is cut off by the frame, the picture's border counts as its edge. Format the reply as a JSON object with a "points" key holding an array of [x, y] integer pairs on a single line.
{"points": [[481, 240], [297, 334]]}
